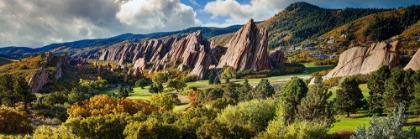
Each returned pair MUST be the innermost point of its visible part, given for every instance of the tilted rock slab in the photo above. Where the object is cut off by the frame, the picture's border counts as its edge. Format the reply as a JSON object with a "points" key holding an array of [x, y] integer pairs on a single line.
{"points": [[247, 49], [363, 60], [414, 63]]}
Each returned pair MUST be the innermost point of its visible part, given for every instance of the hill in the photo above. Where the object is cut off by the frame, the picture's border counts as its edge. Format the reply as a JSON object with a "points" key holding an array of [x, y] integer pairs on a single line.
{"points": [[301, 21], [4, 61]]}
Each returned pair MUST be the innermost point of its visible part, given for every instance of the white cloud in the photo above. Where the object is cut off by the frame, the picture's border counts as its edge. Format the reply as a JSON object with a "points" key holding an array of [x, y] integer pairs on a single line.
{"points": [[157, 15], [36, 23], [237, 13]]}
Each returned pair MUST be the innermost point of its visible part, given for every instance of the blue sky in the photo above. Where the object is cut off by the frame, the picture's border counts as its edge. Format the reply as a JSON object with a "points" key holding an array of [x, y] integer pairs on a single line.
{"points": [[36, 23]]}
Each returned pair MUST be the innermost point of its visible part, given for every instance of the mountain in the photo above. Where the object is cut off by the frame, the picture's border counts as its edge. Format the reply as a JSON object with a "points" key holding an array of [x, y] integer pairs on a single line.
{"points": [[87, 46], [4, 61], [302, 20]]}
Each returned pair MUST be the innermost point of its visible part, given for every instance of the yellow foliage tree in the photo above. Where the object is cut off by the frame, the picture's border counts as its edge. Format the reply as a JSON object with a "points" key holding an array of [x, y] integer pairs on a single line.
{"points": [[14, 121]]}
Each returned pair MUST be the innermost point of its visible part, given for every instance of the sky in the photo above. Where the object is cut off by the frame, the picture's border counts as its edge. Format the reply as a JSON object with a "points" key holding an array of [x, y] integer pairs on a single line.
{"points": [[36, 23]]}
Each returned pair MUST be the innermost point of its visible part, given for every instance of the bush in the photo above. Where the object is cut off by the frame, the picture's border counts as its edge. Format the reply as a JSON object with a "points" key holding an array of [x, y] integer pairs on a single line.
{"points": [[13, 121], [46, 132], [342, 134]]}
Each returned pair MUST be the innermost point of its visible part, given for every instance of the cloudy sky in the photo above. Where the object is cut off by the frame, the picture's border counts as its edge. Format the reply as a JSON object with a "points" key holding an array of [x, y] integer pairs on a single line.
{"points": [[35, 23]]}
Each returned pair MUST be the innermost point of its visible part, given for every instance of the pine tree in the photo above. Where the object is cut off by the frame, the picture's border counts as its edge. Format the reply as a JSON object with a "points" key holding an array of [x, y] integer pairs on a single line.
{"points": [[349, 97], [245, 91], [217, 80], [376, 85], [23, 90], [211, 78], [315, 106], [292, 93], [398, 89], [263, 89]]}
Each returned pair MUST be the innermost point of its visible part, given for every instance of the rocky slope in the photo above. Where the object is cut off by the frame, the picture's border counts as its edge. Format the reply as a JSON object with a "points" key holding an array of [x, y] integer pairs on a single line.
{"points": [[277, 56], [363, 60], [247, 49], [414, 63], [42, 76], [192, 51]]}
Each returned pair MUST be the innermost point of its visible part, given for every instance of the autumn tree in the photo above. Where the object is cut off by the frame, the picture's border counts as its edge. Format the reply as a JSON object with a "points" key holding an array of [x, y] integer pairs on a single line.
{"points": [[376, 85], [163, 100], [160, 78], [13, 121], [292, 93], [176, 84], [228, 73], [349, 97]]}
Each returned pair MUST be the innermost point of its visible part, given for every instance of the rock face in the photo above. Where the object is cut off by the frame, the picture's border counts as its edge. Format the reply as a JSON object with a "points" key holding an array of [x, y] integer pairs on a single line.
{"points": [[38, 80], [192, 51], [277, 56], [362, 60], [247, 49], [41, 77], [414, 63]]}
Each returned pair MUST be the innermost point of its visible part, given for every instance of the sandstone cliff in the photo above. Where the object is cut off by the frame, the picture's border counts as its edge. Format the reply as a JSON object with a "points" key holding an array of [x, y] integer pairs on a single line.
{"points": [[41, 77], [277, 56], [247, 49], [363, 60], [414, 63]]}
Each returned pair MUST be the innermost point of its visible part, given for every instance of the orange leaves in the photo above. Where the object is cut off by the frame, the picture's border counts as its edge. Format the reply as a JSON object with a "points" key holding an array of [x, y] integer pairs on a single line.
{"points": [[104, 105], [14, 121]]}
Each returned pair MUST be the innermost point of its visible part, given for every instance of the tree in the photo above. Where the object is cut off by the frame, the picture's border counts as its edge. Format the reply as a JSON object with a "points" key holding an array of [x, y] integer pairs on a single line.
{"points": [[387, 128], [55, 98], [245, 91], [376, 85], [76, 96], [292, 93], [7, 90], [153, 89], [176, 84], [142, 83], [349, 97], [122, 92], [22, 88], [228, 73], [163, 100], [398, 89], [217, 80], [151, 129], [13, 121], [211, 78], [315, 106], [263, 90], [160, 78]]}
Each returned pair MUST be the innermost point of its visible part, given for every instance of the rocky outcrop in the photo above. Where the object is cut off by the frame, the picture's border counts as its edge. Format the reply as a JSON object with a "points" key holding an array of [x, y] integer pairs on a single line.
{"points": [[247, 49], [41, 77], [277, 56], [414, 63], [363, 60], [38, 80]]}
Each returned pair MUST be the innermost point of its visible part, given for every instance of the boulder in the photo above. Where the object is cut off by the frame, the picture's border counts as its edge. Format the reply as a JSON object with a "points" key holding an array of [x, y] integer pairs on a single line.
{"points": [[277, 56], [414, 63], [363, 60], [247, 49]]}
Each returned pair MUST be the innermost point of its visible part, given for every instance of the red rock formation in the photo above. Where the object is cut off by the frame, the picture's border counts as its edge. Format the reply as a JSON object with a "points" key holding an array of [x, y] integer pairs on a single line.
{"points": [[414, 63], [247, 49], [277, 56], [38, 80], [362, 60]]}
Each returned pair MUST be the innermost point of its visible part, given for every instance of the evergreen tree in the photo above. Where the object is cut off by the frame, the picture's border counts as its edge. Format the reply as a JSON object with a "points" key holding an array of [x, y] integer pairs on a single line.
{"points": [[315, 106], [349, 97], [211, 78], [217, 80], [398, 89], [7, 90], [245, 91], [160, 88], [376, 85], [153, 89], [292, 93], [22, 88], [263, 89]]}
